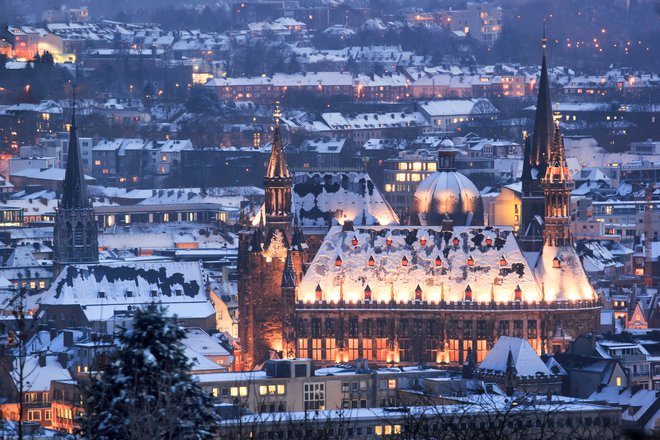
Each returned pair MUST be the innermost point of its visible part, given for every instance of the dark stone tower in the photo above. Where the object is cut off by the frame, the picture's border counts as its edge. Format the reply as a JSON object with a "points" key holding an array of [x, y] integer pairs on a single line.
{"points": [[535, 161], [75, 235], [270, 265], [557, 186]]}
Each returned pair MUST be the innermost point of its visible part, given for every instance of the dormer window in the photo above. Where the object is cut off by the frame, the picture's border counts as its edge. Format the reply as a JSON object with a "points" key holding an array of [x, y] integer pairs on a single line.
{"points": [[101, 294], [154, 293]]}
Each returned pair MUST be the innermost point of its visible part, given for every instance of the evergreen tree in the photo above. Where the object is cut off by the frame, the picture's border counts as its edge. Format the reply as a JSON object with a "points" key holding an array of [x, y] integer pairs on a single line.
{"points": [[145, 391]]}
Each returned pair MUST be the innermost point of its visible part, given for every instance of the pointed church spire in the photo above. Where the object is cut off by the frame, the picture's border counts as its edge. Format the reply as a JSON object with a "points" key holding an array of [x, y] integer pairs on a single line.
{"points": [[75, 233], [277, 182], [289, 278], [543, 126], [527, 161], [74, 189], [277, 166], [557, 152]]}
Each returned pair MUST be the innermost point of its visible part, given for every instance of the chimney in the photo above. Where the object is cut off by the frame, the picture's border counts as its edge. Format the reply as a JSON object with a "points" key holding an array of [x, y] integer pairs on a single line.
{"points": [[52, 329], [68, 338], [63, 359]]}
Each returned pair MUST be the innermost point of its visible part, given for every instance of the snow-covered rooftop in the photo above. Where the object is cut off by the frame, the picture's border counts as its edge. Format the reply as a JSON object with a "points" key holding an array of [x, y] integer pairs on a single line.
{"points": [[102, 290], [410, 261], [526, 361]]}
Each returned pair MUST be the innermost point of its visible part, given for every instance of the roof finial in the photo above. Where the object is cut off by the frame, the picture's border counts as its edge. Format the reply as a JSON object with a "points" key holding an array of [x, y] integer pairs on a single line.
{"points": [[277, 114], [73, 114], [544, 40]]}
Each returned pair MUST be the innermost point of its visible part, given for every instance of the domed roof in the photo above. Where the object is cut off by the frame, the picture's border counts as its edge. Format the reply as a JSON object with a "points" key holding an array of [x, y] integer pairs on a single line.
{"points": [[447, 193], [446, 142]]}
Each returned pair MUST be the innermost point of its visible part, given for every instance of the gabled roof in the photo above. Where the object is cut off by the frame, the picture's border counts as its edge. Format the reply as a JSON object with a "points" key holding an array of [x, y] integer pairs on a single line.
{"points": [[525, 360]]}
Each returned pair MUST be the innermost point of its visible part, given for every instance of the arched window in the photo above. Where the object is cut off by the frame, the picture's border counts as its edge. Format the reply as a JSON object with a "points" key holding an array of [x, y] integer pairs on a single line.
{"points": [[78, 237], [69, 234]]}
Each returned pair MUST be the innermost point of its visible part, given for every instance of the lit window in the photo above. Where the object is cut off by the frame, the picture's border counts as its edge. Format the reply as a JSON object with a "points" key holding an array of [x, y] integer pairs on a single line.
{"points": [[164, 158], [618, 381], [391, 384], [238, 391], [97, 162], [106, 171]]}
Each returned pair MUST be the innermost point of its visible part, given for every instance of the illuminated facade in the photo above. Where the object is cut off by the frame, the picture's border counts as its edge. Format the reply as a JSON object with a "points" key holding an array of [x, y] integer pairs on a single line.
{"points": [[410, 295], [402, 176], [264, 253]]}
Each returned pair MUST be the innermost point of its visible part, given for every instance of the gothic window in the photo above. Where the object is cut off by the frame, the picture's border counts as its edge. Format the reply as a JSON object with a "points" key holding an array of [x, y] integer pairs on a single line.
{"points": [[418, 327], [481, 329], [432, 329], [380, 328], [316, 327], [78, 237], [517, 329], [504, 328], [302, 330], [532, 332], [69, 234], [367, 328], [453, 329], [329, 327], [403, 327], [352, 327], [467, 329]]}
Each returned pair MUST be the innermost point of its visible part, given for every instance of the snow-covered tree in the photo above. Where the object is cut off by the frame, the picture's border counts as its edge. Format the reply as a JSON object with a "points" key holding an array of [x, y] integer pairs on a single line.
{"points": [[145, 391]]}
